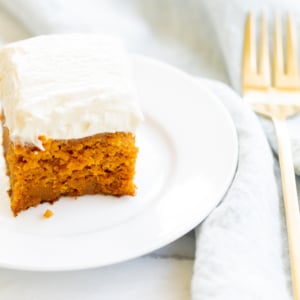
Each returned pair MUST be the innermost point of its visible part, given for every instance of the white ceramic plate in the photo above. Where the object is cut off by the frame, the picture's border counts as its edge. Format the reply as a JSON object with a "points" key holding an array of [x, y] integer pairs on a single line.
{"points": [[188, 157]]}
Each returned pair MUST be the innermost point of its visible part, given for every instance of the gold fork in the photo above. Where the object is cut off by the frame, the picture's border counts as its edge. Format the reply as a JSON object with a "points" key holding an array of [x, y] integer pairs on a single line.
{"points": [[278, 98]]}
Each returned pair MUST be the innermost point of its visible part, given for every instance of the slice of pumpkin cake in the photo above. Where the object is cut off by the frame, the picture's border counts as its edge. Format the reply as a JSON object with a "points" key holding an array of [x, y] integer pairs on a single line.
{"points": [[70, 112]]}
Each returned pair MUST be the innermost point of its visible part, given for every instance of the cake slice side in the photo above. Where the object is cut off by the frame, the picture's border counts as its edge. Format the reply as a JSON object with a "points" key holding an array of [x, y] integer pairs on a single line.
{"points": [[99, 164]]}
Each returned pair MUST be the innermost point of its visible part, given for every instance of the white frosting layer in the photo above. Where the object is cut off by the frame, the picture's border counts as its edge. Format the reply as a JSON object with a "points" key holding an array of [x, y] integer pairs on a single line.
{"points": [[67, 87]]}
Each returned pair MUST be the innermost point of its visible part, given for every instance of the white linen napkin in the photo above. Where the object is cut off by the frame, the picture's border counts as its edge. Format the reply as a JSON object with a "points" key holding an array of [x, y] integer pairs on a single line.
{"points": [[241, 247]]}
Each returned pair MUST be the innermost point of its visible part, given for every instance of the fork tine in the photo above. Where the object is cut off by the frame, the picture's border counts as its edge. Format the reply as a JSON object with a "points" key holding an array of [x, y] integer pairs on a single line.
{"points": [[291, 64], [288, 80], [278, 66], [253, 78], [264, 60], [249, 59]]}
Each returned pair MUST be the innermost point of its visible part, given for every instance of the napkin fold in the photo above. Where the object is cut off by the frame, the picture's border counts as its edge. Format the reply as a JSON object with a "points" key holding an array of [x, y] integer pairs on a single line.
{"points": [[241, 247]]}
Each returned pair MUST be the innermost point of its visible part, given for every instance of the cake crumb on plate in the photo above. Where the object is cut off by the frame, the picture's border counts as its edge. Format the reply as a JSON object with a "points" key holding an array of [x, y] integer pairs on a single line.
{"points": [[48, 213]]}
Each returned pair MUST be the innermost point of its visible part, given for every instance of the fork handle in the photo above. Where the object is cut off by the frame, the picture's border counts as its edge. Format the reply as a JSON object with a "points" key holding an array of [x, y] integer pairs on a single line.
{"points": [[290, 200]]}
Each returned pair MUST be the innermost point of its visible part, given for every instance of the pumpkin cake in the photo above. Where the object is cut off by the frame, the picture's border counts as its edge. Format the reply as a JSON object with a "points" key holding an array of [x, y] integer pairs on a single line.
{"points": [[70, 112]]}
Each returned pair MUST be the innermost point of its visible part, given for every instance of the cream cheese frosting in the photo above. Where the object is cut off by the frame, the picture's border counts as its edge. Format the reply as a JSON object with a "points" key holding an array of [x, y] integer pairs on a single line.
{"points": [[67, 86]]}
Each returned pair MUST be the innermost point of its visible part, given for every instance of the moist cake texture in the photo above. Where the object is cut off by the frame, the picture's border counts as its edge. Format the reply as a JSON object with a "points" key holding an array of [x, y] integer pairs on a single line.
{"points": [[70, 113]]}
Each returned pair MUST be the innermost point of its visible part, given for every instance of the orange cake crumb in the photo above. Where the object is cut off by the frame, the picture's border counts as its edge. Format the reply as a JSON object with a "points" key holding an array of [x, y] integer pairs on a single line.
{"points": [[48, 213]]}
